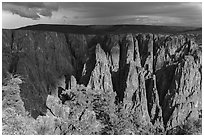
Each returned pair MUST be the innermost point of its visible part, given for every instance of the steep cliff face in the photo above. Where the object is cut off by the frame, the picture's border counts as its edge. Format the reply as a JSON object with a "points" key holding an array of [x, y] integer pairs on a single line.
{"points": [[100, 78], [157, 77], [183, 98], [42, 58], [154, 107]]}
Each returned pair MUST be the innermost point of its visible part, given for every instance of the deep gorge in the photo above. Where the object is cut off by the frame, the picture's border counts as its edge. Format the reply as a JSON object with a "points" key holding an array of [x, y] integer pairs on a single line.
{"points": [[158, 76]]}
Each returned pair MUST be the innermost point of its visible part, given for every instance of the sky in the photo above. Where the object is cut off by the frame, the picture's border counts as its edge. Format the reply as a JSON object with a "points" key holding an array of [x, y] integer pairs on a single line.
{"points": [[15, 15]]}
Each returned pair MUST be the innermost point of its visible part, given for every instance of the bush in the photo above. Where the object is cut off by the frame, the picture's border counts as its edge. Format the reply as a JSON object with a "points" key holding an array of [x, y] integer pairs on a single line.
{"points": [[75, 116], [47, 125], [15, 120], [16, 124], [83, 112], [122, 123], [190, 127]]}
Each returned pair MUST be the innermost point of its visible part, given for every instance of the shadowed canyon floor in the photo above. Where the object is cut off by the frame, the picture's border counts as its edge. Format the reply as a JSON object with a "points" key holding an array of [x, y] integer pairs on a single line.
{"points": [[121, 79]]}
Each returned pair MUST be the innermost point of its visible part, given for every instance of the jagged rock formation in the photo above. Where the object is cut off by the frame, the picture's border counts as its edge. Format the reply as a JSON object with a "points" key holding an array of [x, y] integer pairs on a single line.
{"points": [[183, 98], [146, 51], [131, 79], [154, 108], [100, 78], [157, 77]]}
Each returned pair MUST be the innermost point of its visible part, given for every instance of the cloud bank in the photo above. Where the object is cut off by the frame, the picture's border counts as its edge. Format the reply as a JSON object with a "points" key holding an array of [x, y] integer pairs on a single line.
{"points": [[104, 13], [31, 10]]}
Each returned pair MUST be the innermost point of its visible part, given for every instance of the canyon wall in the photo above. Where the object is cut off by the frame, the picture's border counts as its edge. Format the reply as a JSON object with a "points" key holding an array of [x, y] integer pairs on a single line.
{"points": [[155, 76]]}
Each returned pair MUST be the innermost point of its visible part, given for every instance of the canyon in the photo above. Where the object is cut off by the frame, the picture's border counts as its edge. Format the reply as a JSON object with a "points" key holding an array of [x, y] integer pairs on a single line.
{"points": [[156, 74]]}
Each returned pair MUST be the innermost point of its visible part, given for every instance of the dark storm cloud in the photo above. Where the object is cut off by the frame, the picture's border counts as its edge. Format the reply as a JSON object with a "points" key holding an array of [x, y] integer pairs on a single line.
{"points": [[163, 13], [31, 10], [27, 4], [130, 8], [183, 13]]}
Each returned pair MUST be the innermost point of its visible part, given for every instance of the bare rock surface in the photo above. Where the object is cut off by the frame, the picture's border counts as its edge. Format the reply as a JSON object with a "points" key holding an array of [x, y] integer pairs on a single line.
{"points": [[100, 78], [183, 100]]}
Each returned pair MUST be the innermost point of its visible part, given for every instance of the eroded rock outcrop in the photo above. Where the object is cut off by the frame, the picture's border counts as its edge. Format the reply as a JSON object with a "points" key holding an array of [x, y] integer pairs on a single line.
{"points": [[183, 100], [132, 82], [145, 43], [135, 99], [100, 78], [154, 108], [115, 57]]}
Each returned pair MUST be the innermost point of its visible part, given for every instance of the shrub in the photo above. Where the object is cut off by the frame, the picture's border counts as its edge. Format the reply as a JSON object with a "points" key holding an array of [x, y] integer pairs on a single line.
{"points": [[75, 116], [122, 122], [84, 112], [190, 127], [15, 120], [47, 125], [16, 124]]}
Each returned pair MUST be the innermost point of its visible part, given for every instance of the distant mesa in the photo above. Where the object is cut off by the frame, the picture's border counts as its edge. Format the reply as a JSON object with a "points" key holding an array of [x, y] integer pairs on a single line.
{"points": [[113, 29]]}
